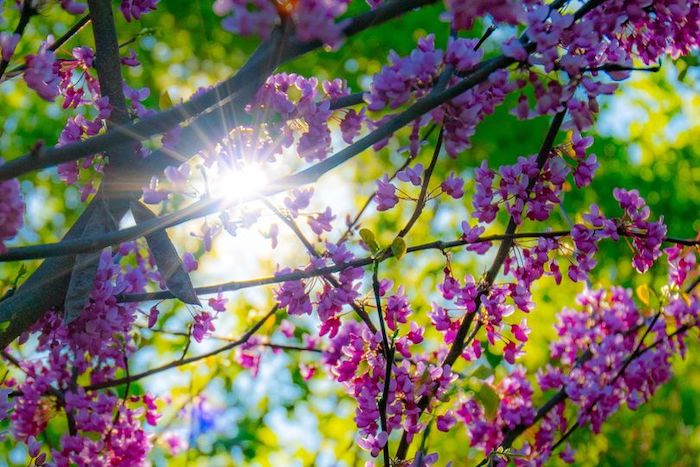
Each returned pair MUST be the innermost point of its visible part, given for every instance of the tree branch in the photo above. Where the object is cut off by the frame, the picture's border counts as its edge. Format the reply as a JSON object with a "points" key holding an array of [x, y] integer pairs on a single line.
{"points": [[289, 222], [52, 276], [185, 361], [28, 11], [360, 262], [165, 120], [460, 338]]}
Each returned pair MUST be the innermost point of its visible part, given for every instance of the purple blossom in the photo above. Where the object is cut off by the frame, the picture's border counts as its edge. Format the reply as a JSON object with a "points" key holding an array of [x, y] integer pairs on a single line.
{"points": [[203, 325], [513, 48], [292, 296], [411, 174], [8, 44], [453, 186], [135, 9], [321, 222], [247, 17], [462, 55], [395, 83], [41, 73], [11, 210], [386, 194], [152, 194], [397, 309], [297, 200], [351, 124], [189, 262], [583, 174]]}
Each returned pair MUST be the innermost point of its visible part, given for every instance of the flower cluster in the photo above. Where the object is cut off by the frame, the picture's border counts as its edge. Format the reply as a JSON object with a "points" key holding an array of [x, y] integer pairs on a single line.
{"points": [[11, 210], [646, 236], [135, 9], [313, 19], [94, 346], [356, 359], [314, 142], [42, 73]]}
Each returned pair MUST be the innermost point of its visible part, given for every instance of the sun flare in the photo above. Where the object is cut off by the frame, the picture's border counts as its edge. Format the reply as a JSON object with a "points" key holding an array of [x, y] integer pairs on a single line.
{"points": [[236, 183]]}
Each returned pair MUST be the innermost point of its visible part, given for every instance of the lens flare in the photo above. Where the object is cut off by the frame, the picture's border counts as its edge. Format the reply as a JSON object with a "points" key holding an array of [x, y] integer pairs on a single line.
{"points": [[239, 182]]}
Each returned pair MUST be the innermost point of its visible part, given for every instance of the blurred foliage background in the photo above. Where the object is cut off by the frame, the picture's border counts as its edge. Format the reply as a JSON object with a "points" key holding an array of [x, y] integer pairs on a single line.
{"points": [[648, 138]]}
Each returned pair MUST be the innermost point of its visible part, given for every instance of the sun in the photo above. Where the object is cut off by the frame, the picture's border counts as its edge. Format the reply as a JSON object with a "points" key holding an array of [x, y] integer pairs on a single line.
{"points": [[238, 182]]}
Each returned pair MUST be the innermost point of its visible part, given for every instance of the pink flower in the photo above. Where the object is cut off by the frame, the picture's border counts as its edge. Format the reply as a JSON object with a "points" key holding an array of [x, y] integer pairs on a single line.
{"points": [[397, 309], [189, 262], [152, 194], [178, 176], [298, 200], [514, 49], [411, 174], [11, 210], [568, 454], [293, 296], [453, 186], [520, 331], [72, 7], [445, 422], [386, 194], [461, 54], [153, 316], [315, 19], [134, 9], [583, 174], [373, 444], [218, 303], [203, 326], [510, 352], [321, 222], [247, 17], [41, 73], [307, 371], [8, 43]]}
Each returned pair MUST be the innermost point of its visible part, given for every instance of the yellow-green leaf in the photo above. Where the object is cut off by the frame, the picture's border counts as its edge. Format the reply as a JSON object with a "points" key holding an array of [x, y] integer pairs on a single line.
{"points": [[489, 399], [482, 372], [398, 247], [370, 240], [643, 294], [165, 101]]}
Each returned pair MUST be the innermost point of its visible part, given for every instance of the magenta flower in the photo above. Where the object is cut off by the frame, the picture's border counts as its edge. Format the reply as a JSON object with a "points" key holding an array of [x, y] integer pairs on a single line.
{"points": [[386, 194], [453, 186]]}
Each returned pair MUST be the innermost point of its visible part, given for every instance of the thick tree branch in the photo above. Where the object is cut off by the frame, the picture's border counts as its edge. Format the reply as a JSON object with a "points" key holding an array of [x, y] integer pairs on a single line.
{"points": [[52, 276], [165, 120]]}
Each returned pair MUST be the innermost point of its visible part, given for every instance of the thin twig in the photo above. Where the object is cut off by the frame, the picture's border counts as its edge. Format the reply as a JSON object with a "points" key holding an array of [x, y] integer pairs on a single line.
{"points": [[186, 361], [28, 10], [460, 340]]}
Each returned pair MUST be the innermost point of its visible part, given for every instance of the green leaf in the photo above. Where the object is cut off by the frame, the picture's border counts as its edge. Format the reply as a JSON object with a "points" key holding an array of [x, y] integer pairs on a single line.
{"points": [[167, 259], [493, 359], [482, 372], [682, 68], [370, 240], [489, 399], [643, 294], [398, 247], [165, 101]]}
